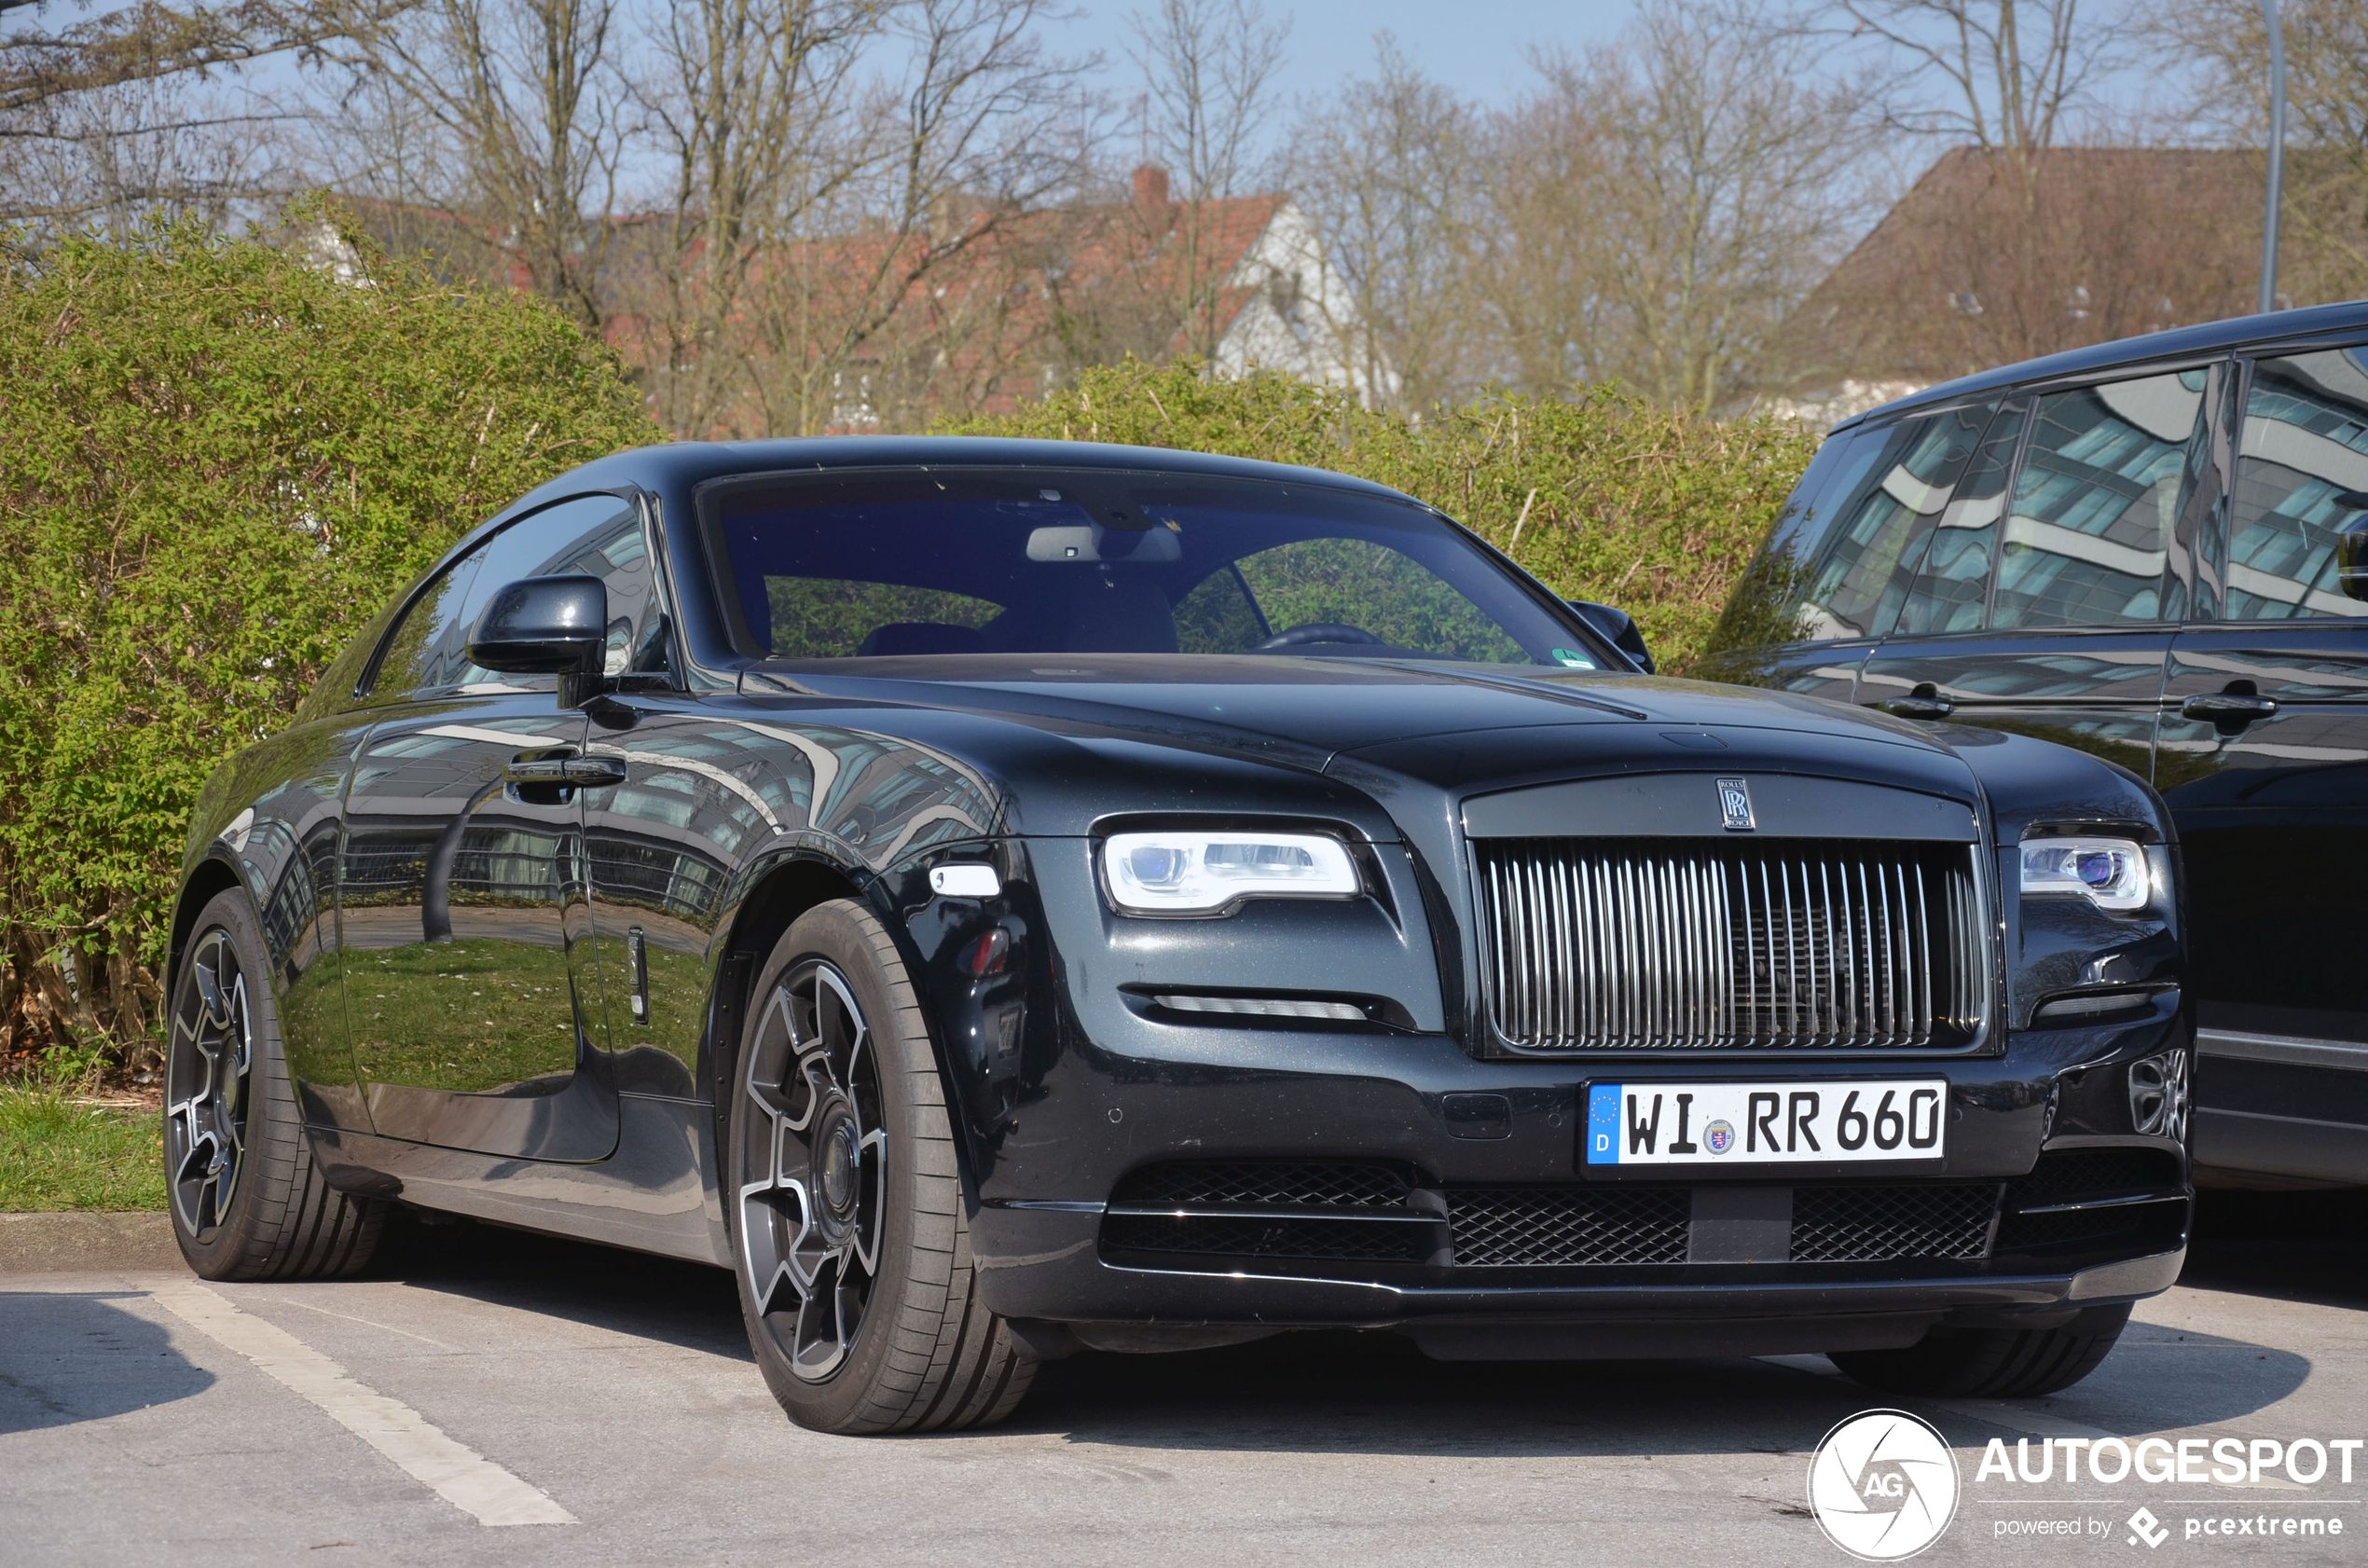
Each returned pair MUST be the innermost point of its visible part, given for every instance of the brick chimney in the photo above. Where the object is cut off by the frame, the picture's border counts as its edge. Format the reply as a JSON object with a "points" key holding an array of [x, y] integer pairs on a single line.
{"points": [[1150, 196]]}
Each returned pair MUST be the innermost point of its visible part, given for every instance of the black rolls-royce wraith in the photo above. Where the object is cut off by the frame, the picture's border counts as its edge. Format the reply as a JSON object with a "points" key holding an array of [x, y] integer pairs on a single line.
{"points": [[1005, 898]]}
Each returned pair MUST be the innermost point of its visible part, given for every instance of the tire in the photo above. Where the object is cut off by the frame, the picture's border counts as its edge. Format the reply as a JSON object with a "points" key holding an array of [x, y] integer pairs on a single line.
{"points": [[1990, 1362], [248, 1202], [850, 1233]]}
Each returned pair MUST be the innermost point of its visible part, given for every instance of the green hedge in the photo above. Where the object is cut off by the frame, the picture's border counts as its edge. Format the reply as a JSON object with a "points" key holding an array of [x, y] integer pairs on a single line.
{"points": [[217, 460], [1600, 495]]}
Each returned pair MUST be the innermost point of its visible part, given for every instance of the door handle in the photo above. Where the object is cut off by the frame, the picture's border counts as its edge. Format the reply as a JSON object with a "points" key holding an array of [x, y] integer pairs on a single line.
{"points": [[585, 771], [536, 770], [1922, 701], [2237, 709], [593, 773]]}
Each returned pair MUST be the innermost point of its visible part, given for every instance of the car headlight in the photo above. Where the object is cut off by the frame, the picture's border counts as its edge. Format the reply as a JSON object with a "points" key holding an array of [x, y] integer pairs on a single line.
{"points": [[1189, 871], [2109, 873]]}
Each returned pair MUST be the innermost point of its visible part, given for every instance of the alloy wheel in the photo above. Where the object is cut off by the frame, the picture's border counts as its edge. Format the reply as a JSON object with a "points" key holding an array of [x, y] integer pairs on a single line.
{"points": [[814, 1168], [208, 1069]]}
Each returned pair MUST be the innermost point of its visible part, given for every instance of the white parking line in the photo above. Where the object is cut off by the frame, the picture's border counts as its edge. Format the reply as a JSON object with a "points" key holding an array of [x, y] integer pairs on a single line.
{"points": [[457, 1474]]}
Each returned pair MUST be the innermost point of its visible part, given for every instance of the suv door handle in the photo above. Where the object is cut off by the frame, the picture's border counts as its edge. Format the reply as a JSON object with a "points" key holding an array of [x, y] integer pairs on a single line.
{"points": [[1918, 708], [2228, 707]]}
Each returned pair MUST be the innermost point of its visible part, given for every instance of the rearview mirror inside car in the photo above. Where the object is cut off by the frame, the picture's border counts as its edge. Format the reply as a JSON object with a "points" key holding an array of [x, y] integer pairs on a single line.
{"points": [[1616, 628]]}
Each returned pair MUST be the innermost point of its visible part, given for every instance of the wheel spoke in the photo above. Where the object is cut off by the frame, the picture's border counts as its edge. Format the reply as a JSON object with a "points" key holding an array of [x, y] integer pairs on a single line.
{"points": [[873, 1202], [813, 1189], [209, 1069]]}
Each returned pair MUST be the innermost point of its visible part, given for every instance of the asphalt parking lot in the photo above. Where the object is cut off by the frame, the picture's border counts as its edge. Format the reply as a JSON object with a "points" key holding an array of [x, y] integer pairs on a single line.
{"points": [[606, 1403]]}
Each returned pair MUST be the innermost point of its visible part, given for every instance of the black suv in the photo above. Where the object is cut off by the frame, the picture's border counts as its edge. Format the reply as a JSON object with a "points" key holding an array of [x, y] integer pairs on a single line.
{"points": [[2157, 550]]}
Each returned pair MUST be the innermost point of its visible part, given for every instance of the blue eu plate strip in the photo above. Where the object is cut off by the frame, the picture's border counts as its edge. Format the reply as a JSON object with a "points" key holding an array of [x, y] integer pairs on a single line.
{"points": [[1602, 1123]]}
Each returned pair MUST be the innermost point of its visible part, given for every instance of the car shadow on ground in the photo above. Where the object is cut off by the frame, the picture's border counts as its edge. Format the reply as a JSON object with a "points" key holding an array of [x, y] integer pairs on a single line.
{"points": [[1374, 1392], [688, 1305], [77, 1355]]}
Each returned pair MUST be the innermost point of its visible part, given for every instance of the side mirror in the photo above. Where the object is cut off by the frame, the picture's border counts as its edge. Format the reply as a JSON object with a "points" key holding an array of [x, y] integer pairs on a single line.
{"points": [[2351, 556], [545, 626], [1616, 628]]}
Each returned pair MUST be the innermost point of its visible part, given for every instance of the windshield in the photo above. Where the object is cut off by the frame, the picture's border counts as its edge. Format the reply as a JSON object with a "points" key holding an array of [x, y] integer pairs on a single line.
{"points": [[1046, 561]]}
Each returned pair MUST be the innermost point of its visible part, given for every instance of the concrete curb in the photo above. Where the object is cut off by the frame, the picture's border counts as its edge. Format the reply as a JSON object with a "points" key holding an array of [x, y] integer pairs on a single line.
{"points": [[32, 1243]]}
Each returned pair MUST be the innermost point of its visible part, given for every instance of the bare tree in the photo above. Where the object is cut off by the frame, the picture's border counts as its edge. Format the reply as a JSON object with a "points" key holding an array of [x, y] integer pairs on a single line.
{"points": [[2009, 74], [1390, 173], [1699, 179], [2225, 48], [114, 115], [858, 284], [1209, 69], [749, 108], [526, 96]]}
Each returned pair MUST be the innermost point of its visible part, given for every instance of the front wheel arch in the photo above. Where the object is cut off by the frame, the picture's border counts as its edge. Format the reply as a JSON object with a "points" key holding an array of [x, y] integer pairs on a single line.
{"points": [[209, 878]]}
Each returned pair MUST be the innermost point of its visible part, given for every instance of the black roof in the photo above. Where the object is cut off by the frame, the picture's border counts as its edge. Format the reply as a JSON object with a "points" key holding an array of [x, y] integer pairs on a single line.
{"points": [[682, 464], [2186, 342]]}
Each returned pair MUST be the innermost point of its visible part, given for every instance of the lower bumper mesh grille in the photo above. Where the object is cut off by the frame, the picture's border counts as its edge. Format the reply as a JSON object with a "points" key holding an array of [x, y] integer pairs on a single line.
{"points": [[1534, 1228], [1881, 1224], [1547, 1226], [2097, 1200], [1265, 1184], [1236, 1236]]}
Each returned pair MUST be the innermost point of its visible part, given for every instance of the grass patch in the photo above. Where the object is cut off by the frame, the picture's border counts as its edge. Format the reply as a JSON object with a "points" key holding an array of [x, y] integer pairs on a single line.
{"points": [[55, 1154]]}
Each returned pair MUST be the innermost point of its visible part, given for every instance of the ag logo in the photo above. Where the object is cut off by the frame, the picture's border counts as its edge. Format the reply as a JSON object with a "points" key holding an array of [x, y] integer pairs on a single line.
{"points": [[1882, 1486]]}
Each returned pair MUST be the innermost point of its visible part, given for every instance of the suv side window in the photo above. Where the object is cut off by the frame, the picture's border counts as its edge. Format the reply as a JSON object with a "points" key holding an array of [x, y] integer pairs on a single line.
{"points": [[1840, 562], [1951, 589], [2302, 478], [2096, 503]]}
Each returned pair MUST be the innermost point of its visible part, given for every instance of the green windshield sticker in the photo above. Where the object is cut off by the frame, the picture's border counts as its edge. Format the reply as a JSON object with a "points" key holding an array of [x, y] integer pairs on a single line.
{"points": [[1572, 658]]}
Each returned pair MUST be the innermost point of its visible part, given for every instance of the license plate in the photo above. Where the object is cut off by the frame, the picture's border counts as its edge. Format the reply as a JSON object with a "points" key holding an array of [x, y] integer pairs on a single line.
{"points": [[1793, 1123]]}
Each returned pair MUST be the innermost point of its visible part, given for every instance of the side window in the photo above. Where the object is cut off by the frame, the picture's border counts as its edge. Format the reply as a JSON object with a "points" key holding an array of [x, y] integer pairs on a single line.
{"points": [[596, 534], [2302, 479], [414, 656], [1949, 589], [2096, 503], [1840, 561], [334, 692], [617, 551]]}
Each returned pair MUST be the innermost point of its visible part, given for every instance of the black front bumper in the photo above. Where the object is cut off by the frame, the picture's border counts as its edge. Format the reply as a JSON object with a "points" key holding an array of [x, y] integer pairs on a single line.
{"points": [[1143, 1094]]}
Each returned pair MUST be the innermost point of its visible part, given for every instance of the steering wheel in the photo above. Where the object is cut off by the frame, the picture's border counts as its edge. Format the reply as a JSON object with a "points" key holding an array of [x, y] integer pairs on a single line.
{"points": [[1316, 631]]}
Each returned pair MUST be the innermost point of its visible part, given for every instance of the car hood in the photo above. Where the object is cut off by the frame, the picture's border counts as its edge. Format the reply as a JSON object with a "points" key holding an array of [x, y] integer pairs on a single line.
{"points": [[1310, 712]]}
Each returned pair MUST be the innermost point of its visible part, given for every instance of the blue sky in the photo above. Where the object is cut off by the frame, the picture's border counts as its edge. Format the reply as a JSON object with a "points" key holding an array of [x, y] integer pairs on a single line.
{"points": [[1474, 47]]}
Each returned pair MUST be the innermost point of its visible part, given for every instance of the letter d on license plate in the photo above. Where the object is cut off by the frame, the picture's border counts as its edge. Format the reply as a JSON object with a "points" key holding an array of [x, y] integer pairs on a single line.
{"points": [[1793, 1123]]}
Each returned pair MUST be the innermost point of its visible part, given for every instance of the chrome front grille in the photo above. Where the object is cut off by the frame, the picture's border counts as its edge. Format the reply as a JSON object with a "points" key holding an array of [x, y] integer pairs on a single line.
{"points": [[1655, 944]]}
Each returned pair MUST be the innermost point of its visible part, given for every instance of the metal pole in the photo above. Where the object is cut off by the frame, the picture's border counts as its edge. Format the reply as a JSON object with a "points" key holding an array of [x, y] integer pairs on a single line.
{"points": [[2276, 155]]}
